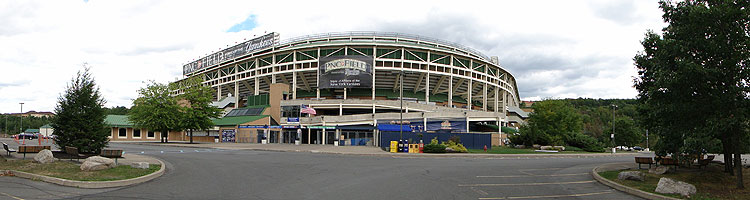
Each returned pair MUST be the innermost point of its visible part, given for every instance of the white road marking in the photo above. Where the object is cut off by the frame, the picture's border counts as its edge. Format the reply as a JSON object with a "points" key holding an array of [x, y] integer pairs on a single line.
{"points": [[521, 184], [548, 196], [517, 176], [11, 196]]}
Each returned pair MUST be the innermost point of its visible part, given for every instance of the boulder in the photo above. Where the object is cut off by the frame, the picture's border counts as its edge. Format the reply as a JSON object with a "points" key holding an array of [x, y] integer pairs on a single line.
{"points": [[93, 166], [546, 148], [44, 157], [658, 170], [536, 146], [449, 150], [669, 186], [140, 165], [520, 146], [631, 175], [561, 148], [98, 159]]}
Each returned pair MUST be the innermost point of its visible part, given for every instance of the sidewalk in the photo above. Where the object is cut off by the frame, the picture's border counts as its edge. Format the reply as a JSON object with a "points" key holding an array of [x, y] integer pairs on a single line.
{"points": [[355, 150]]}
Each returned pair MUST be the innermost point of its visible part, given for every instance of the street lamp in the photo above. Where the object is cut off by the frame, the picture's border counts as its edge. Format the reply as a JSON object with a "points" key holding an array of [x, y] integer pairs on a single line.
{"points": [[614, 145], [21, 116], [401, 99]]}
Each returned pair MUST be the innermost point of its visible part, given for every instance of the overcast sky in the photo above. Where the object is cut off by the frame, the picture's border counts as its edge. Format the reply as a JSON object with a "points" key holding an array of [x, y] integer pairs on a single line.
{"points": [[555, 49]]}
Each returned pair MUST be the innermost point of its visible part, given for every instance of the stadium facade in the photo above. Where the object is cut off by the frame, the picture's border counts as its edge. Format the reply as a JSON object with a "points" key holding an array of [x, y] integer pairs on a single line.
{"points": [[352, 82]]}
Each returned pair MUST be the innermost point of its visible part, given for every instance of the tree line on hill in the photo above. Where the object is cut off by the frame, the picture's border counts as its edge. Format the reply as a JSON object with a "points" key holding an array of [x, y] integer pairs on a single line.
{"points": [[583, 123]]}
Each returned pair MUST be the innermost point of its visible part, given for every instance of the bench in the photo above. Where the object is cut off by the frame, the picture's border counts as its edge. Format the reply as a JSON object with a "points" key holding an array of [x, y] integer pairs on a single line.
{"points": [[31, 149], [670, 161], [644, 160], [704, 162], [9, 150], [112, 153], [73, 153]]}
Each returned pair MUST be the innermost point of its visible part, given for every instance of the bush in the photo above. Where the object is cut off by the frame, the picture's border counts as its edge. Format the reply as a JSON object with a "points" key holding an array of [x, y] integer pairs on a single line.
{"points": [[434, 148], [585, 142], [457, 147]]}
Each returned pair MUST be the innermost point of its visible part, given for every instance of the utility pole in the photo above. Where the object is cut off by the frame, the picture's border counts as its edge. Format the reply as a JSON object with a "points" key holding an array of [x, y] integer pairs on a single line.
{"points": [[614, 145], [21, 116], [401, 98]]}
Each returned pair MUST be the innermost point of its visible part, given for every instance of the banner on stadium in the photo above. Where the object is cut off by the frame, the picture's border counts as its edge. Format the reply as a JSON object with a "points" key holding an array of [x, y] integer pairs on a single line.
{"points": [[233, 52], [345, 72]]}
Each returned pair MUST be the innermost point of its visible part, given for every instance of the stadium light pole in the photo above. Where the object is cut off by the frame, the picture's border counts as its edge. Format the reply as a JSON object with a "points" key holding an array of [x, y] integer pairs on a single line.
{"points": [[21, 116], [614, 145]]}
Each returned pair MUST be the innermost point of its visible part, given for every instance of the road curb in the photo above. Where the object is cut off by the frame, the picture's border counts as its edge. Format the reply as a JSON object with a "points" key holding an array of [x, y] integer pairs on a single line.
{"points": [[626, 189], [90, 184], [405, 155]]}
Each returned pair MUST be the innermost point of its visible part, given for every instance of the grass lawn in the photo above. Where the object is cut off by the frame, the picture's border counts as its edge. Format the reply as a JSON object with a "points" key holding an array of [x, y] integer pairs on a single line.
{"points": [[508, 150], [72, 171], [711, 183]]}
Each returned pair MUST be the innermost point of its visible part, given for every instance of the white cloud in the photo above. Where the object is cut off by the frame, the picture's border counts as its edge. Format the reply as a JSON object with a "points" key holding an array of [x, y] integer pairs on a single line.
{"points": [[554, 48]]}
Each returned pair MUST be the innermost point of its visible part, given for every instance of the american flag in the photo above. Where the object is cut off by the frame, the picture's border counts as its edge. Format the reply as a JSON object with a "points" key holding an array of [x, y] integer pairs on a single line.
{"points": [[308, 110]]}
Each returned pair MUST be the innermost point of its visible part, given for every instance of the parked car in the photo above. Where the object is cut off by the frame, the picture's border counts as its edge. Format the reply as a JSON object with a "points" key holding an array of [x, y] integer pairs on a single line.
{"points": [[25, 136], [637, 148]]}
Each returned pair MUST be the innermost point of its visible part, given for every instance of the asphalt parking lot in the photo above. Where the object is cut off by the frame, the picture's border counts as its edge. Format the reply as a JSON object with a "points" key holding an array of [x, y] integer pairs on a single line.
{"points": [[202, 173]]}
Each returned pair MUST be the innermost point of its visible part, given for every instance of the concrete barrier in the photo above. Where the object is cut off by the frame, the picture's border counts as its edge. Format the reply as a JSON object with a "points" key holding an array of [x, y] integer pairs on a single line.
{"points": [[90, 184], [623, 188]]}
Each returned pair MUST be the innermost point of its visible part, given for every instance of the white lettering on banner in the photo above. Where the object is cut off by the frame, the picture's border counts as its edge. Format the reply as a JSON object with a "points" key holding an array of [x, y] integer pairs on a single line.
{"points": [[345, 64], [233, 52]]}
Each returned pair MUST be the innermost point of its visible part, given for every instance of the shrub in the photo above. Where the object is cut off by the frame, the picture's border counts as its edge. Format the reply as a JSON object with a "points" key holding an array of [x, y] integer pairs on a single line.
{"points": [[572, 148], [434, 148], [457, 147]]}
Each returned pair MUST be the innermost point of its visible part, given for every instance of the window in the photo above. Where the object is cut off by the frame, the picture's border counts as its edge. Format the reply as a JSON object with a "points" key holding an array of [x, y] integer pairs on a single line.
{"points": [[136, 133], [122, 133], [150, 135]]}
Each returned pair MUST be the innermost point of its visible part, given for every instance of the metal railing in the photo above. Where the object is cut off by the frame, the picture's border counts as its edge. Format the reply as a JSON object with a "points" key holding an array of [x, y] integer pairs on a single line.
{"points": [[383, 35]]}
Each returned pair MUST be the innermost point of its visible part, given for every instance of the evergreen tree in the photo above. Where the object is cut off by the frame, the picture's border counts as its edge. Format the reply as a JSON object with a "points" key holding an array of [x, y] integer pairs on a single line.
{"points": [[79, 120]]}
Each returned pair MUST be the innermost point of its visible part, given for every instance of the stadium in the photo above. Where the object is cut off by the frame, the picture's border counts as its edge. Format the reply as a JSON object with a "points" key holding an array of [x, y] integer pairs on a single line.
{"points": [[352, 88]]}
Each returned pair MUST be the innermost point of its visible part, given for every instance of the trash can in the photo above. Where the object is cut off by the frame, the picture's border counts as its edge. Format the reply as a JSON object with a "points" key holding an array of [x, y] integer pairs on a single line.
{"points": [[297, 142], [335, 143], [394, 146]]}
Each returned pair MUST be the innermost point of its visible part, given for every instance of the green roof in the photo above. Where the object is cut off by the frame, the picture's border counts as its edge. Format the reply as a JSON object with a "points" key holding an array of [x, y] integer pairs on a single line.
{"points": [[118, 121], [46, 126], [237, 120], [31, 130], [509, 130]]}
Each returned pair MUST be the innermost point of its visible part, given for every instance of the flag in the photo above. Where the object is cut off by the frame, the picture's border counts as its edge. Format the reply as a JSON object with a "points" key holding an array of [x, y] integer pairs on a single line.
{"points": [[308, 110]]}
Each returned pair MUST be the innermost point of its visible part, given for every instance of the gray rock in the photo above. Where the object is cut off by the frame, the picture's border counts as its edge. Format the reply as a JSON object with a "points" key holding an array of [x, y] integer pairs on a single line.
{"points": [[520, 146], [98, 159], [561, 148], [449, 150], [536, 146], [631, 175], [140, 165], [669, 186], [44, 157], [658, 170], [93, 166], [546, 148]]}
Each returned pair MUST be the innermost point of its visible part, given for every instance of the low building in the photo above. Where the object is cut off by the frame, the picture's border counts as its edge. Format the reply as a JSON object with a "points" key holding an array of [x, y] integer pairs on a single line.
{"points": [[33, 114], [124, 130], [46, 130]]}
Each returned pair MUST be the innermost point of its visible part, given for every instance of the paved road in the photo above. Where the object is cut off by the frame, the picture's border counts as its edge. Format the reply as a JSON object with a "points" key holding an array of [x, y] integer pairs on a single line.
{"points": [[199, 173]]}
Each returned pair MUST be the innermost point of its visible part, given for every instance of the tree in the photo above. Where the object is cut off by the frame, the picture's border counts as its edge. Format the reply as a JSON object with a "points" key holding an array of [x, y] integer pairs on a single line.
{"points": [[693, 79], [79, 119], [555, 122], [155, 109], [118, 110], [198, 111]]}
